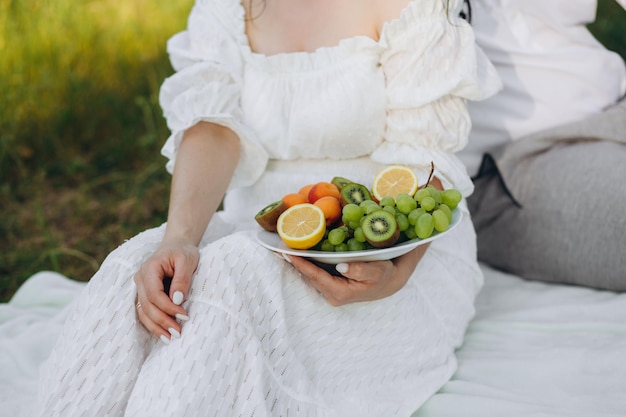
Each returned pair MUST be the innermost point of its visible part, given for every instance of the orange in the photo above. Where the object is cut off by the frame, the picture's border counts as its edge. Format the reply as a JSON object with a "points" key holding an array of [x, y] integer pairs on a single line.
{"points": [[305, 190], [302, 226], [394, 180], [323, 189], [331, 208], [293, 199]]}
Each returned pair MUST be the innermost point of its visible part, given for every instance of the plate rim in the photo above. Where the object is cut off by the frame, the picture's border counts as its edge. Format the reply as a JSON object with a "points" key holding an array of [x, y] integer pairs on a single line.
{"points": [[400, 249]]}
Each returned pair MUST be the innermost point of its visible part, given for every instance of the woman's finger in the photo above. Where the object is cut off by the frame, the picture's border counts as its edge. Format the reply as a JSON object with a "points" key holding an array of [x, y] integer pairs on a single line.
{"points": [[154, 319], [156, 305], [152, 326], [184, 267], [335, 289]]}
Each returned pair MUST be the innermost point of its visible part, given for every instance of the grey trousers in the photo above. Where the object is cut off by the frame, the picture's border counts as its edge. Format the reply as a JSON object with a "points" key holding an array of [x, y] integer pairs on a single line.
{"points": [[552, 206]]}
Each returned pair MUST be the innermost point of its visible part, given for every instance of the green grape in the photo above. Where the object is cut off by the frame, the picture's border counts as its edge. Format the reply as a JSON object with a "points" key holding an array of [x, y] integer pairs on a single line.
{"points": [[354, 245], [370, 208], [428, 203], [390, 209], [403, 221], [352, 213], [337, 236], [424, 226], [420, 194], [440, 220], [354, 225], [327, 246], [414, 215], [446, 209], [342, 247], [410, 233], [435, 193], [387, 201], [451, 198], [366, 203], [405, 203], [359, 235]]}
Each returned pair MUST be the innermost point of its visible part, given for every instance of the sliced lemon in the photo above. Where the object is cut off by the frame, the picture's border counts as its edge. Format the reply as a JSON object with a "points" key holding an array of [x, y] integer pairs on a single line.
{"points": [[302, 226], [394, 180]]}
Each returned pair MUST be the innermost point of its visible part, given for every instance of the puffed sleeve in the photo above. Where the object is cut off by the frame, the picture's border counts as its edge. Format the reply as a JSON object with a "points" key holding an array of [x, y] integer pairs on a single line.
{"points": [[207, 58], [432, 66]]}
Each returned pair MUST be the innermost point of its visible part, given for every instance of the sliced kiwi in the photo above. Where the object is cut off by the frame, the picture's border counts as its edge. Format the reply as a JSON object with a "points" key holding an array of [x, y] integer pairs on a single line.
{"points": [[380, 229], [341, 182], [267, 218], [354, 193]]}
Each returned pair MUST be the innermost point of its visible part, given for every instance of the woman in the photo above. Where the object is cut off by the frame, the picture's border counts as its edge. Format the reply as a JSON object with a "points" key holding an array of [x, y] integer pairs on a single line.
{"points": [[267, 97]]}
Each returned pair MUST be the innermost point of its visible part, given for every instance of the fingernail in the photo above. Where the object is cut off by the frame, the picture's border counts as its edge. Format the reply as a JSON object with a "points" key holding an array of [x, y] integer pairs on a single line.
{"points": [[182, 317], [164, 339], [175, 333], [342, 268], [177, 298], [286, 257]]}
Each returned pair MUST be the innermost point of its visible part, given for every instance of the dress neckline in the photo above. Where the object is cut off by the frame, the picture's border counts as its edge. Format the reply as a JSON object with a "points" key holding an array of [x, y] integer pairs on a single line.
{"points": [[347, 44]]}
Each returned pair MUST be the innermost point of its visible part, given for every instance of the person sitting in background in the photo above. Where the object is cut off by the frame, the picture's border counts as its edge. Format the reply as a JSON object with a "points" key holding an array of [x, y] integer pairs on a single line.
{"points": [[548, 153]]}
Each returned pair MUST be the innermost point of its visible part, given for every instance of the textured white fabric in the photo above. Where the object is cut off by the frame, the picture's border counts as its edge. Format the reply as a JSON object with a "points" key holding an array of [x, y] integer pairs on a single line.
{"points": [[553, 70], [540, 350], [533, 349], [260, 342]]}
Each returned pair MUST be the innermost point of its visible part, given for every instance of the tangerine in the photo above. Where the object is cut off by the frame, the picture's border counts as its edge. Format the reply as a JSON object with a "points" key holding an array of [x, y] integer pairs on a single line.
{"points": [[331, 207], [305, 190], [293, 199], [323, 189]]}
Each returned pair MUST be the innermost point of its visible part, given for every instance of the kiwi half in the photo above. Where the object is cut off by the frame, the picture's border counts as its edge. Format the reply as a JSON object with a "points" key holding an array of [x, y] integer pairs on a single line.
{"points": [[267, 217], [340, 182], [380, 229], [354, 193]]}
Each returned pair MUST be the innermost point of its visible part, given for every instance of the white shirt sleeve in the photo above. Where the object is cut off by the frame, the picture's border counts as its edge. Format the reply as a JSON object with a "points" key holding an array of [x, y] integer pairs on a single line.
{"points": [[554, 71]]}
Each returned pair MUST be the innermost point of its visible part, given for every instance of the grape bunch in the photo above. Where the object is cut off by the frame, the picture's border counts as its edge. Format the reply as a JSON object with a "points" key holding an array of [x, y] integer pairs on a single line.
{"points": [[370, 224]]}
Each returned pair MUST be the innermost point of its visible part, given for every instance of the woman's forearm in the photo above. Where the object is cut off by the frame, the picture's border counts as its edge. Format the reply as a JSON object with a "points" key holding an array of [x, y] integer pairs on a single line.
{"points": [[205, 162]]}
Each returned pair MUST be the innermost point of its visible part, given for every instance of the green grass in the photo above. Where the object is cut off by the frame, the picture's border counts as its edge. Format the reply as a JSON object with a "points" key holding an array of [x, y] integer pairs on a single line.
{"points": [[81, 129], [610, 26]]}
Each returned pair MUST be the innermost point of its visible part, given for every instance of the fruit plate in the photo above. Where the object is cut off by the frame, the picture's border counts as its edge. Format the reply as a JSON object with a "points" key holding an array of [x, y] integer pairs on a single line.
{"points": [[273, 242]]}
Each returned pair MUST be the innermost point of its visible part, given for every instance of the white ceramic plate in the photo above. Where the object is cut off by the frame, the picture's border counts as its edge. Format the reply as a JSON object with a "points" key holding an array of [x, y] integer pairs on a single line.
{"points": [[273, 242]]}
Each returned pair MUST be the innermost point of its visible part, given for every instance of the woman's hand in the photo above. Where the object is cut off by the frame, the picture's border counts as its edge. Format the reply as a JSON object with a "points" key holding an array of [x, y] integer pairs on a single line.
{"points": [[360, 281], [206, 160], [156, 309]]}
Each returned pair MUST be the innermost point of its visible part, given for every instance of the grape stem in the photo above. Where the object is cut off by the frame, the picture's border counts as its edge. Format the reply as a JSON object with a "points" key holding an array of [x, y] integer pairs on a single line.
{"points": [[430, 176]]}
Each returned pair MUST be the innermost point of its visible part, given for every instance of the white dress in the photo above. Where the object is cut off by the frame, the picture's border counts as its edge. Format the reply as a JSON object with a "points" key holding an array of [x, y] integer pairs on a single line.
{"points": [[260, 342]]}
